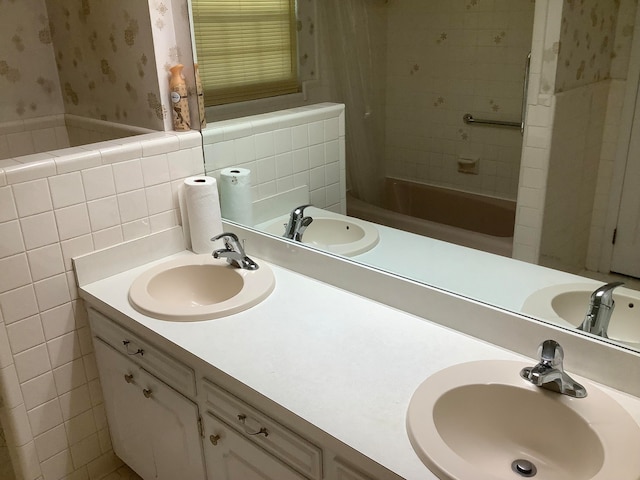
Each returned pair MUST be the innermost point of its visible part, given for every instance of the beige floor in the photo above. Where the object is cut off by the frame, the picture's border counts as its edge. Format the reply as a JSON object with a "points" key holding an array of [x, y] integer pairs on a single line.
{"points": [[6, 469], [123, 473]]}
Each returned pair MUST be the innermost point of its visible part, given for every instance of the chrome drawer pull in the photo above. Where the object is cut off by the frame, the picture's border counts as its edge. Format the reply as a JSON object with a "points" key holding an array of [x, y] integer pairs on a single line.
{"points": [[137, 352], [147, 392], [128, 377], [214, 439]]}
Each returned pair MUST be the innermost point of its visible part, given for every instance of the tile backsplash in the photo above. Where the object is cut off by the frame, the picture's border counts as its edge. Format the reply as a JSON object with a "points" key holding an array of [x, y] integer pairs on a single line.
{"points": [[50, 211]]}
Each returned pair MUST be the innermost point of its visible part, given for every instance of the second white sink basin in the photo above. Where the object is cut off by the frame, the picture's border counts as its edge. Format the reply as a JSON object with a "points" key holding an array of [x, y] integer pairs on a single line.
{"points": [[474, 420], [567, 304], [332, 232], [199, 287]]}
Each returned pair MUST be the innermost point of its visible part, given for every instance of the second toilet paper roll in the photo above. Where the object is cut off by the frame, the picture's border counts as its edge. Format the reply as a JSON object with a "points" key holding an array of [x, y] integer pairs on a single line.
{"points": [[202, 206], [235, 195]]}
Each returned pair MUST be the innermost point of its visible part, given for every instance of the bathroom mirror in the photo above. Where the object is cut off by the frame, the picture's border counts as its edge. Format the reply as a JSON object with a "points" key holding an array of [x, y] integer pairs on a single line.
{"points": [[418, 68]]}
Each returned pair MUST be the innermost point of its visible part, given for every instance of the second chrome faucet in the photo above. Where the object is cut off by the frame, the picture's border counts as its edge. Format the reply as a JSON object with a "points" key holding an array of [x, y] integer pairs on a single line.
{"points": [[600, 309], [297, 224]]}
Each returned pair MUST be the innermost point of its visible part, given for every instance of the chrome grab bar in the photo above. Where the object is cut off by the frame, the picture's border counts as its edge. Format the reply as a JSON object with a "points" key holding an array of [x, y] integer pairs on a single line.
{"points": [[469, 119]]}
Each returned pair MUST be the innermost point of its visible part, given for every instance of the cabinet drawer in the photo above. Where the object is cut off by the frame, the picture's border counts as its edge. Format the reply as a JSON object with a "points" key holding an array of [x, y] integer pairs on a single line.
{"points": [[278, 440], [154, 360]]}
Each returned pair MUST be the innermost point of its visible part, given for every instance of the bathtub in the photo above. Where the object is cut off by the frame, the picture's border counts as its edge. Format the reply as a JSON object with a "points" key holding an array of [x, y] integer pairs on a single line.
{"points": [[475, 221], [54, 132]]}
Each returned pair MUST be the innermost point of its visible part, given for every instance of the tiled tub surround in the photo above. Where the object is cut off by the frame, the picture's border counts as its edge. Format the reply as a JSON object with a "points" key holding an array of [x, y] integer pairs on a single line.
{"points": [[285, 150], [51, 210], [55, 132]]}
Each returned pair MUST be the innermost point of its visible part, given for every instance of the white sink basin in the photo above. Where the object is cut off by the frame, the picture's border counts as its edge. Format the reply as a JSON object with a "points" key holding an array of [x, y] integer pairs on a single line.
{"points": [[475, 419], [566, 305], [199, 287], [332, 232]]}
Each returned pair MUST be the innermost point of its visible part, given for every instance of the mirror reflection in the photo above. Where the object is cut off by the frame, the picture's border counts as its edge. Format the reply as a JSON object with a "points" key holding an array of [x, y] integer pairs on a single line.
{"points": [[402, 157]]}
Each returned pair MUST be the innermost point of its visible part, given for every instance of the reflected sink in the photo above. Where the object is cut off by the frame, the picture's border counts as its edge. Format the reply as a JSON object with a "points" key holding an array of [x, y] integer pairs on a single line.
{"points": [[332, 232], [566, 305], [473, 420], [199, 287]]}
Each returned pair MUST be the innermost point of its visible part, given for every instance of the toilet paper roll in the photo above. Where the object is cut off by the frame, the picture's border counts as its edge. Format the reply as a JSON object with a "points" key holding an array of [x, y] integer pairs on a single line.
{"points": [[202, 208], [235, 195]]}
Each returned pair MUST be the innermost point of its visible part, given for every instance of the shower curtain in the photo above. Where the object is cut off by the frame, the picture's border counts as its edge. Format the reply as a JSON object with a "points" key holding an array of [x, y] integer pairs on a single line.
{"points": [[347, 43]]}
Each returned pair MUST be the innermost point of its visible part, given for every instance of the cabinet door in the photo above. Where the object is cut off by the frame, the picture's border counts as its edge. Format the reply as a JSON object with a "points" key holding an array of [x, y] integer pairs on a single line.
{"points": [[154, 429], [230, 456]]}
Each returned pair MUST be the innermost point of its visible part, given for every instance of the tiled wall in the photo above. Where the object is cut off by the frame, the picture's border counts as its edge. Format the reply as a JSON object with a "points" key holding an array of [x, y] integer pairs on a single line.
{"points": [[285, 150], [50, 211], [446, 59], [540, 219], [44, 134]]}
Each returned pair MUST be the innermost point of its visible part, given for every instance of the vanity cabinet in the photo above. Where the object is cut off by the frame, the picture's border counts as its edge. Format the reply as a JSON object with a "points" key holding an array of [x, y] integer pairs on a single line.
{"points": [[154, 429]]}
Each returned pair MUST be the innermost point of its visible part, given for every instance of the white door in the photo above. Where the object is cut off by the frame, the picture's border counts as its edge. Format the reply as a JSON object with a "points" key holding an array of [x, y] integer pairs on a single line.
{"points": [[154, 429], [230, 456], [626, 250]]}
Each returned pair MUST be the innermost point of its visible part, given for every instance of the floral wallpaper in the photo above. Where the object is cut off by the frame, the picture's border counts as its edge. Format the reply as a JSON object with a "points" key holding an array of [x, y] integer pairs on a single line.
{"points": [[587, 42], [105, 57], [28, 76]]}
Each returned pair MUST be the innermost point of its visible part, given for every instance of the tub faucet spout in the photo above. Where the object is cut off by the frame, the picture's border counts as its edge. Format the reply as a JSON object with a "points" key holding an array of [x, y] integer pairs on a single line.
{"points": [[549, 372], [233, 252], [601, 305], [298, 223]]}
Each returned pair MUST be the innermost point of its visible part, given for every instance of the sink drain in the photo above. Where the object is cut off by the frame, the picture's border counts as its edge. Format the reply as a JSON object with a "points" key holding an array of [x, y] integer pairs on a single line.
{"points": [[524, 468]]}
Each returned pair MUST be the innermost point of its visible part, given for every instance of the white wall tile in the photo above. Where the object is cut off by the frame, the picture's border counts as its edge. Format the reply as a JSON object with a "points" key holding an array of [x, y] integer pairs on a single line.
{"points": [[39, 390], [32, 363], [244, 150], [57, 466], [58, 321], [73, 221], [51, 442], [18, 304], [10, 391], [80, 427], [6, 357], [103, 213], [155, 169], [282, 140], [46, 261], [11, 239], [7, 205], [300, 160], [107, 237], [32, 197], [18, 425], [69, 375], [132, 205], [39, 230], [284, 164], [75, 247], [264, 145], [25, 334], [159, 198], [266, 170], [316, 133], [128, 176], [98, 182], [52, 292], [86, 450], [300, 136], [136, 229], [162, 221], [180, 164], [67, 190], [75, 402], [15, 272]]}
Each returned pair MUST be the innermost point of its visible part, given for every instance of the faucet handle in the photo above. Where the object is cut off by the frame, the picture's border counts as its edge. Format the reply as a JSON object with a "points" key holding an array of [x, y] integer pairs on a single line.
{"points": [[551, 354], [231, 241]]}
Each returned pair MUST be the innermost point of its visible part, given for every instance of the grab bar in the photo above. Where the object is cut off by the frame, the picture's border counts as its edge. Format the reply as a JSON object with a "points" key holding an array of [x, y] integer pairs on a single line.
{"points": [[469, 119]]}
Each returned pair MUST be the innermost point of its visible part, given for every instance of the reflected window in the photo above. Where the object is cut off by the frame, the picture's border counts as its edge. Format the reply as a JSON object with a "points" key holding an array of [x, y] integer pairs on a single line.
{"points": [[246, 49]]}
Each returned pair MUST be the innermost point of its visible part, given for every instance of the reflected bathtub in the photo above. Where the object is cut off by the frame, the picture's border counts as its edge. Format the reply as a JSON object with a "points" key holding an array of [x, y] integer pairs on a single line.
{"points": [[471, 220]]}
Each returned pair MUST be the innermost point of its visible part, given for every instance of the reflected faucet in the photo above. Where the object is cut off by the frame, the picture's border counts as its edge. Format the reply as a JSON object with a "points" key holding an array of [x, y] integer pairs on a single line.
{"points": [[298, 223], [549, 372], [601, 307], [233, 252]]}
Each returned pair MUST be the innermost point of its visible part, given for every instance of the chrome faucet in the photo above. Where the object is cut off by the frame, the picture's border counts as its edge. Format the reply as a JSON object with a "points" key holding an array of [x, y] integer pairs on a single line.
{"points": [[601, 307], [549, 372], [298, 223], [233, 252]]}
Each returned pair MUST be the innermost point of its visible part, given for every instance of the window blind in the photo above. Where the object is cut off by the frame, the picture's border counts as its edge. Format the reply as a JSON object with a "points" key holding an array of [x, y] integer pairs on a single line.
{"points": [[246, 49]]}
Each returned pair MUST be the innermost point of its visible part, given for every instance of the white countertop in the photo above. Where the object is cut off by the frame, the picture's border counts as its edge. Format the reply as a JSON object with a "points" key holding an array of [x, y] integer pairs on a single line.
{"points": [[343, 363]]}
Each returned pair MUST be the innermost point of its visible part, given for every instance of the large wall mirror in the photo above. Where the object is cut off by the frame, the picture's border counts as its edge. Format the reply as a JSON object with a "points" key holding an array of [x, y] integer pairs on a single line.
{"points": [[435, 94]]}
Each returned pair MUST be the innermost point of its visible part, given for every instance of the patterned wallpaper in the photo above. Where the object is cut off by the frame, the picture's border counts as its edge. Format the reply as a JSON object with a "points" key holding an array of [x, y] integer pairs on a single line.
{"points": [[28, 76], [587, 43], [307, 38], [105, 56]]}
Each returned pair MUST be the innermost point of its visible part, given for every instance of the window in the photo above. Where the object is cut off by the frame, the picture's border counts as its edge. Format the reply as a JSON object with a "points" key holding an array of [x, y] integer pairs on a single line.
{"points": [[246, 49]]}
